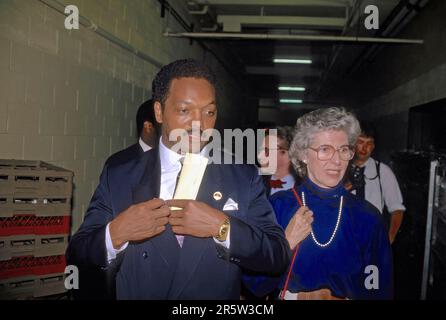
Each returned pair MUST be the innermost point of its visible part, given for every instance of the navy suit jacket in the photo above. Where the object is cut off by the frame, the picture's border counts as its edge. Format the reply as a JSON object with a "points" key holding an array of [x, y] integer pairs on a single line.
{"points": [[132, 152], [94, 282], [158, 268]]}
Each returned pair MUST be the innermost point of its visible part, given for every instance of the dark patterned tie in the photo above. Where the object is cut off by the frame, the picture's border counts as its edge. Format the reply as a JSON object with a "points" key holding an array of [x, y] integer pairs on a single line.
{"points": [[358, 181]]}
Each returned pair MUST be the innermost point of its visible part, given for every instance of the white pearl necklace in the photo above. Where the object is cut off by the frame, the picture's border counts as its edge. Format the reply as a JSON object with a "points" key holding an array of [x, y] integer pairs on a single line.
{"points": [[323, 245]]}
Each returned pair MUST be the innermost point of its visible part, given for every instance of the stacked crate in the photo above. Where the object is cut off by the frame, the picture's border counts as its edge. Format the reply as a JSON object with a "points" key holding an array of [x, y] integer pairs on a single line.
{"points": [[35, 210]]}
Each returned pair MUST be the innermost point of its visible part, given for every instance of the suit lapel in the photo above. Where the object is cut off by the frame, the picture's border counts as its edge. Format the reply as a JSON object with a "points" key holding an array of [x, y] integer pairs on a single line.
{"points": [[149, 188]]}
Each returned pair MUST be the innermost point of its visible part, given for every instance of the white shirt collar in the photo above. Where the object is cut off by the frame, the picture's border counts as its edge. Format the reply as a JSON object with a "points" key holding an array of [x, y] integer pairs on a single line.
{"points": [[170, 159], [370, 168], [369, 161], [145, 147]]}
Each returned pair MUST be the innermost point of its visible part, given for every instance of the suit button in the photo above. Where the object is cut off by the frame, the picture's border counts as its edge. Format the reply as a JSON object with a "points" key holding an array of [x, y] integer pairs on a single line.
{"points": [[145, 255]]}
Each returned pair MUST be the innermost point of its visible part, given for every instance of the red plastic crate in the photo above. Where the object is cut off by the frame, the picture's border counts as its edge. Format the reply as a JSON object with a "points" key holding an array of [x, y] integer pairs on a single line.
{"points": [[29, 265], [31, 224]]}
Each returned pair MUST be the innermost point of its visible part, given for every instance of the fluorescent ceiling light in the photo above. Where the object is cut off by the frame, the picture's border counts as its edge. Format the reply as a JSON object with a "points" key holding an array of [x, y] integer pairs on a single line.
{"points": [[303, 61], [291, 101], [291, 88]]}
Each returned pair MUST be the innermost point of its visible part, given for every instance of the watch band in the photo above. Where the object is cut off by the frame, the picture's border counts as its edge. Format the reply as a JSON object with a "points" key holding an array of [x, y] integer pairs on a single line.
{"points": [[223, 231]]}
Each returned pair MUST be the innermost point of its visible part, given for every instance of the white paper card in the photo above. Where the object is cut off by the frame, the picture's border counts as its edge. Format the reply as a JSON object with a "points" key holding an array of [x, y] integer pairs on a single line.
{"points": [[194, 166]]}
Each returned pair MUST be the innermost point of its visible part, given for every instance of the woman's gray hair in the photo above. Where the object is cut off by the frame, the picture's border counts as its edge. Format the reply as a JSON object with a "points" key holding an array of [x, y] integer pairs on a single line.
{"points": [[317, 121]]}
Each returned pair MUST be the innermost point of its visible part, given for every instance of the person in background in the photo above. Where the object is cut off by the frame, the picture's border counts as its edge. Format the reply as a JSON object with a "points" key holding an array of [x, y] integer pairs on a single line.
{"points": [[280, 178], [340, 248], [147, 132], [374, 181], [283, 177]]}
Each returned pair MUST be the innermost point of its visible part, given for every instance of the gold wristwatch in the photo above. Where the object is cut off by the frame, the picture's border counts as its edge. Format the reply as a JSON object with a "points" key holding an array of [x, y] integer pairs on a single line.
{"points": [[223, 231]]}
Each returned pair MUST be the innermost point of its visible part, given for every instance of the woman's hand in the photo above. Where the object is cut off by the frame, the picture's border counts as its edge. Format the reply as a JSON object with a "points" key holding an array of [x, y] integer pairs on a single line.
{"points": [[322, 294], [299, 226]]}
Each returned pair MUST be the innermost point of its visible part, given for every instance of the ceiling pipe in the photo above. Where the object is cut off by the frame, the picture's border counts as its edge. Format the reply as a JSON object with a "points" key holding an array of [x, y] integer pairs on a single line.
{"points": [[201, 12], [351, 14], [166, 6], [210, 29], [87, 23], [407, 10], [289, 37], [228, 67]]}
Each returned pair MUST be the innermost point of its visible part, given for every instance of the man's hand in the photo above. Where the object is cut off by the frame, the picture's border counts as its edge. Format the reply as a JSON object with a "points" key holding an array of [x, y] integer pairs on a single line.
{"points": [[396, 218], [195, 218], [140, 221], [321, 294], [299, 226]]}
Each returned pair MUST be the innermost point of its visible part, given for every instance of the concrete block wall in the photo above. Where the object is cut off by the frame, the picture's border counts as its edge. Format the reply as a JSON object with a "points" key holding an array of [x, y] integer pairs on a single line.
{"points": [[70, 97], [402, 77]]}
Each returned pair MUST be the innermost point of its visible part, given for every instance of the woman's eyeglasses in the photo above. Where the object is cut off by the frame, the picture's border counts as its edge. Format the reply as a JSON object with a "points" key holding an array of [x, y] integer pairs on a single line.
{"points": [[326, 152]]}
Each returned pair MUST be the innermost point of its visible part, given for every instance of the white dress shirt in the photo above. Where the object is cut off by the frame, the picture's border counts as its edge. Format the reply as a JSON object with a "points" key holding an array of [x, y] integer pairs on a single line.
{"points": [[145, 147], [170, 168], [391, 195]]}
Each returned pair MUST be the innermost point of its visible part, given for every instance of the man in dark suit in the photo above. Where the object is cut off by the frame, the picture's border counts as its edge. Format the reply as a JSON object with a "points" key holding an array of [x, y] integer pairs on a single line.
{"points": [[94, 282], [199, 251], [147, 132]]}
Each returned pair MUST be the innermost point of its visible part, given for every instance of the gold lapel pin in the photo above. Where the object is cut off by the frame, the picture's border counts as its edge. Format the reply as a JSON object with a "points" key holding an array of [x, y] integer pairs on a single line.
{"points": [[217, 195]]}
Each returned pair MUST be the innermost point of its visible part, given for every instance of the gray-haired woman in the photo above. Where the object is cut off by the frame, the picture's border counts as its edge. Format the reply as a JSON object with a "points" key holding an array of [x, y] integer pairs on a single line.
{"points": [[341, 248]]}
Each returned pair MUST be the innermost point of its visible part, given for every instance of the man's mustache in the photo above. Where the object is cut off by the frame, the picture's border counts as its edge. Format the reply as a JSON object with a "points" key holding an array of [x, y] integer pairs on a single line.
{"points": [[190, 132]]}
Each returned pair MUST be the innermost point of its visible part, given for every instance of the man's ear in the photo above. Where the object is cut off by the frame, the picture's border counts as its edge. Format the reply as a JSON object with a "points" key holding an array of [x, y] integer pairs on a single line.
{"points": [[148, 126], [158, 112]]}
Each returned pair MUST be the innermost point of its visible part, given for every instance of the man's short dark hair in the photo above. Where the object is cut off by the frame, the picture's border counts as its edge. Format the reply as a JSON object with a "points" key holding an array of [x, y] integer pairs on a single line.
{"points": [[368, 129], [186, 68], [145, 113]]}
